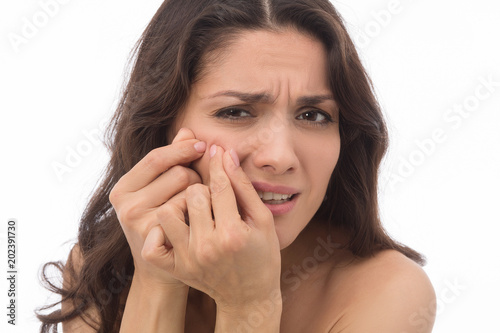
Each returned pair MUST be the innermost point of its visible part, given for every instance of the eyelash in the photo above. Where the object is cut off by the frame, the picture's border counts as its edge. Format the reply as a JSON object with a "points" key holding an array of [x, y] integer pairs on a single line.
{"points": [[328, 119], [223, 114]]}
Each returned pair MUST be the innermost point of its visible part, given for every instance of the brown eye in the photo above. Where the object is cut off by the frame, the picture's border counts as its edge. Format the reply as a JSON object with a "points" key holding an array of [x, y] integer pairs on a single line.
{"points": [[315, 116], [233, 113]]}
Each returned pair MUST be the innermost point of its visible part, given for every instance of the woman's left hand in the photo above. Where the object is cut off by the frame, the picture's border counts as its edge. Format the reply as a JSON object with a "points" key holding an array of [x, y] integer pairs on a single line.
{"points": [[233, 255]]}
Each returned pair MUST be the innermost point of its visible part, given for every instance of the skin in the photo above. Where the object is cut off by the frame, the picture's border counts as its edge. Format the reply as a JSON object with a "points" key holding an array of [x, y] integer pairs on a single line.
{"points": [[247, 261]]}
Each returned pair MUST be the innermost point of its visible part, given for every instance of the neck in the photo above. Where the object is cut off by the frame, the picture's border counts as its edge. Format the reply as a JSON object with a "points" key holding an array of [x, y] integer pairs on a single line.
{"points": [[315, 247]]}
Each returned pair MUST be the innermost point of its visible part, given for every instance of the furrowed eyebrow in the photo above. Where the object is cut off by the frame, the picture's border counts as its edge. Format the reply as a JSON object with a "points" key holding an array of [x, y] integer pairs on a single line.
{"points": [[266, 98], [245, 97], [314, 100]]}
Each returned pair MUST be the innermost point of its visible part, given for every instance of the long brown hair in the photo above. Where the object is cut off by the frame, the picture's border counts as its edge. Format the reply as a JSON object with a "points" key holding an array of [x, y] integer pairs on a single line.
{"points": [[169, 57]]}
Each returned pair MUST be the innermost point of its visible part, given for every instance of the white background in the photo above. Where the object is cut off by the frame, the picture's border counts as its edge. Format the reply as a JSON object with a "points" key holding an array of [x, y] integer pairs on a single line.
{"points": [[425, 58]]}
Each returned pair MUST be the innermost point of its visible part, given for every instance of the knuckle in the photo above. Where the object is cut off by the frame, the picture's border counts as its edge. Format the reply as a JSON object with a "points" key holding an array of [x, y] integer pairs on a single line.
{"points": [[166, 212], [184, 150], [219, 184], [154, 159], [232, 241], [198, 194], [181, 175], [197, 188], [147, 254], [132, 211], [116, 194]]}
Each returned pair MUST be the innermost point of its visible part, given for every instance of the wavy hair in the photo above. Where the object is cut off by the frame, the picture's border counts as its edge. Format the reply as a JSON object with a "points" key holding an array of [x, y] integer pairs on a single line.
{"points": [[179, 42]]}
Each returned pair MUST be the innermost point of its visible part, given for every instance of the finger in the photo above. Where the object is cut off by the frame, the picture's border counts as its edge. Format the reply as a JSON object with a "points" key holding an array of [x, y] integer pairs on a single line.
{"points": [[187, 134], [158, 161], [183, 134], [200, 212], [222, 196], [171, 217], [171, 182], [252, 208], [157, 250]]}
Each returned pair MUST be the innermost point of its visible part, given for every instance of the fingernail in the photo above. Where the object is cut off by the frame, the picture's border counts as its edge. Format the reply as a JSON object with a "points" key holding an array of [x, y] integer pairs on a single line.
{"points": [[235, 157], [200, 146], [213, 150]]}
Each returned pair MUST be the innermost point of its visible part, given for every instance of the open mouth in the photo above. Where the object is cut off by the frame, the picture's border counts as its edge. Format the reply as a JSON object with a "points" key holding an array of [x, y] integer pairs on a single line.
{"points": [[272, 198]]}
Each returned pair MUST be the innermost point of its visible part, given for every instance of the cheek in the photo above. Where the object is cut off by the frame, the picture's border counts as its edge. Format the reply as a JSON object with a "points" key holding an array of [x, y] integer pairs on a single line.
{"points": [[201, 166], [332, 159], [322, 168]]}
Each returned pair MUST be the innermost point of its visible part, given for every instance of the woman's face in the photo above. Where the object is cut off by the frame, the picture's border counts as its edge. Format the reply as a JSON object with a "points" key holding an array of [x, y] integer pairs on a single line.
{"points": [[267, 97]]}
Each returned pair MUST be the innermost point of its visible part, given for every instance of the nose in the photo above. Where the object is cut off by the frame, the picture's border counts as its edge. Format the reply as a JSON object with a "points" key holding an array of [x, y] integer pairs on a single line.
{"points": [[274, 150]]}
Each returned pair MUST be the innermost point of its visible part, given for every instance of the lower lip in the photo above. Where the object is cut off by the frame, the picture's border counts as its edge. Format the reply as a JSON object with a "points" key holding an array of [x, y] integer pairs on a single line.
{"points": [[283, 208]]}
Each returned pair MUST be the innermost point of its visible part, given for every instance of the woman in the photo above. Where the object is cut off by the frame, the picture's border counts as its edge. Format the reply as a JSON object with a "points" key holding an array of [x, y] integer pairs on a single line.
{"points": [[241, 195]]}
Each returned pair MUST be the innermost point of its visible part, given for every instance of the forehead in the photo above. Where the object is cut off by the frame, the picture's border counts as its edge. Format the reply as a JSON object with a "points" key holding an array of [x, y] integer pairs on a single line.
{"points": [[267, 60]]}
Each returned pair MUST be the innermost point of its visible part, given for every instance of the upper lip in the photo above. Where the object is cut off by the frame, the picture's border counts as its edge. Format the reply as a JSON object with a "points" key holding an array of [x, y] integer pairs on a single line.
{"points": [[281, 189]]}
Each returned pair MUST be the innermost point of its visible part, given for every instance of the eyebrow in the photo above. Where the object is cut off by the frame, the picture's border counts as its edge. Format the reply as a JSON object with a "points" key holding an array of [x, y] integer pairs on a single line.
{"points": [[245, 97], [266, 98], [314, 100]]}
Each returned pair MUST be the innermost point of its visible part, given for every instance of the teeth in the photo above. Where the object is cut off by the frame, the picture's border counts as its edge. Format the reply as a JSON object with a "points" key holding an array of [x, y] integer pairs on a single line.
{"points": [[266, 196], [277, 196]]}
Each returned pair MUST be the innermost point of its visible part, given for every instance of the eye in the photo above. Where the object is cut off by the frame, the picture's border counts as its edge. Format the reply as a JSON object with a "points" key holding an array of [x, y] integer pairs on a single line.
{"points": [[315, 116], [233, 113]]}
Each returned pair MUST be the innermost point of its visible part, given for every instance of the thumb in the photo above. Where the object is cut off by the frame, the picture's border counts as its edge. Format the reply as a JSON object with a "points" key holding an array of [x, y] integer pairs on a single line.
{"points": [[157, 249]]}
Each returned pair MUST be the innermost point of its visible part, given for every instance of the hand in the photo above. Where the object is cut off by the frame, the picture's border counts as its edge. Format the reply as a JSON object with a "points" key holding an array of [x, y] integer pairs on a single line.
{"points": [[152, 194], [233, 257]]}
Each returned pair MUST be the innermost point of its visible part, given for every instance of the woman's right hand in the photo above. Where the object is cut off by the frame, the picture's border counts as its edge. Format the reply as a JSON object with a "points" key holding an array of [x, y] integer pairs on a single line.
{"points": [[151, 190]]}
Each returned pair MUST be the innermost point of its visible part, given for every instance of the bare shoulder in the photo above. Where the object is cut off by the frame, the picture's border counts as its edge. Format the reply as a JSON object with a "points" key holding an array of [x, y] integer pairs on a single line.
{"points": [[383, 293]]}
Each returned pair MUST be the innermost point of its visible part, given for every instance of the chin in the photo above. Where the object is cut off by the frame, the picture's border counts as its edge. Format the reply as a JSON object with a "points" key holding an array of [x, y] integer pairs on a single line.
{"points": [[284, 245], [288, 229], [285, 238]]}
